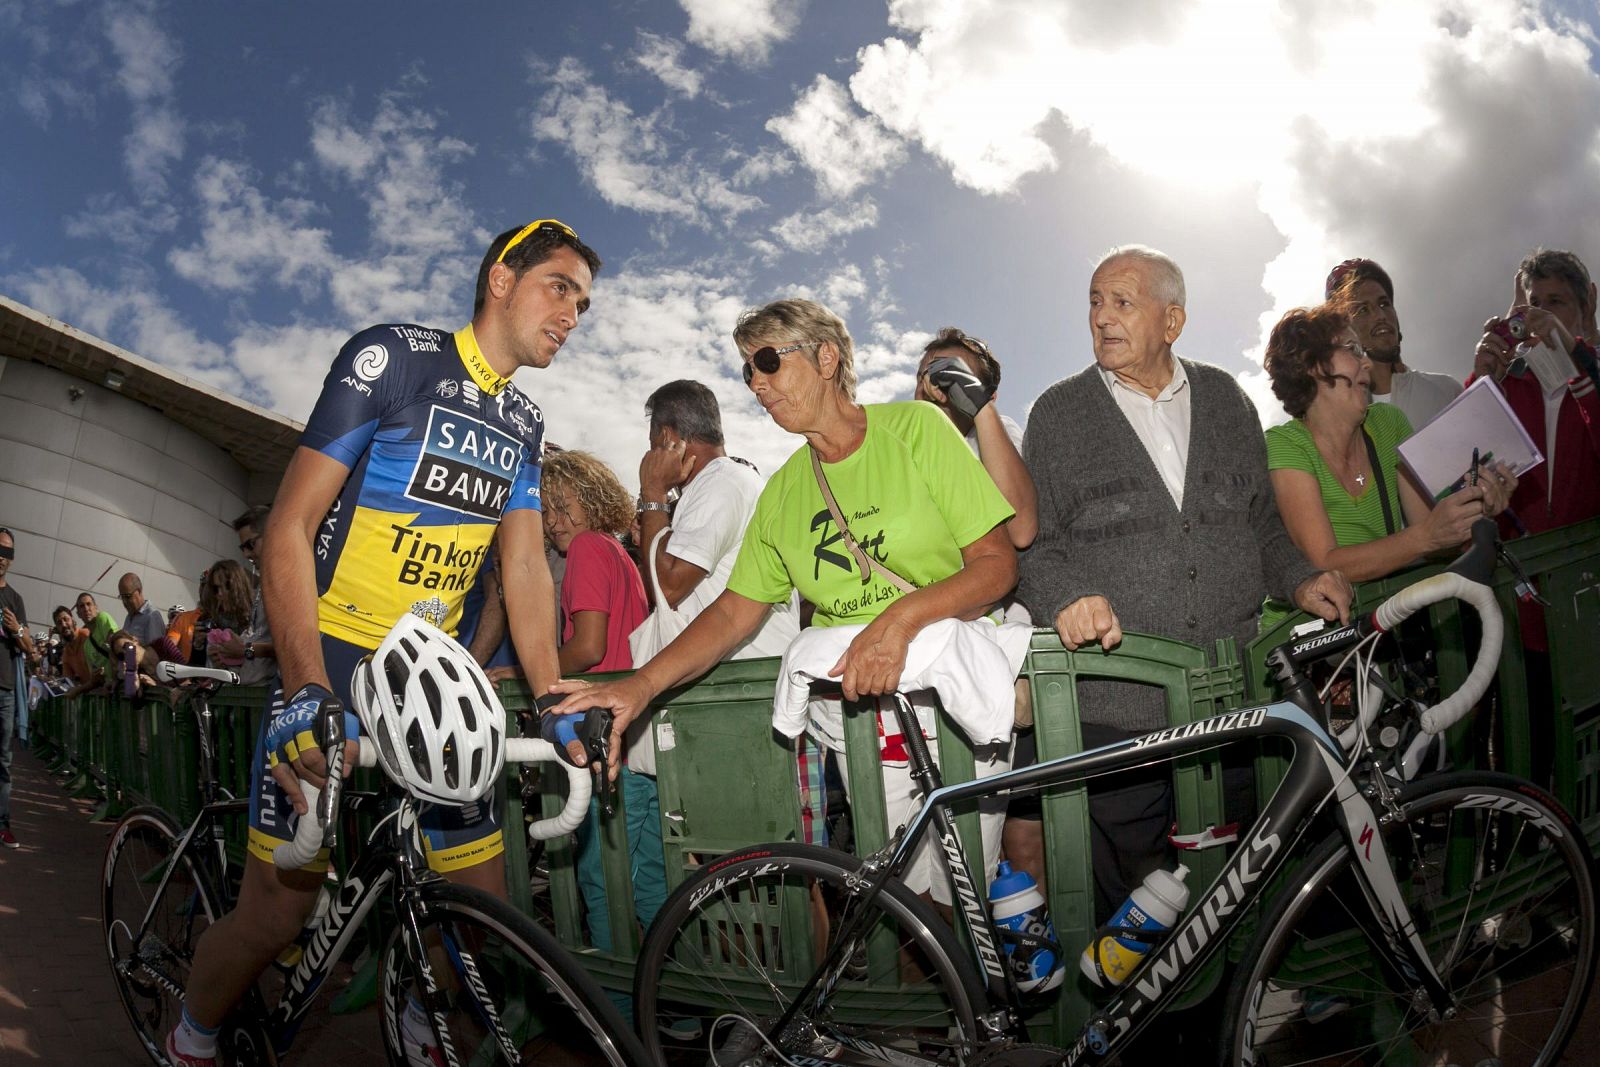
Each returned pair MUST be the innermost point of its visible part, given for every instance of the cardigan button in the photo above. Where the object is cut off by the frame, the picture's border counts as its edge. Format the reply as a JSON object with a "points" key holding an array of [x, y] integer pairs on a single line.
{"points": [[1193, 574], [1192, 622], [1185, 525]]}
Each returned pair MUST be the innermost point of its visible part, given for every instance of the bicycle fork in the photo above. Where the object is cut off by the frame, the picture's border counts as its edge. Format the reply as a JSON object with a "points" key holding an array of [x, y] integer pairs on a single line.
{"points": [[457, 963], [1389, 926]]}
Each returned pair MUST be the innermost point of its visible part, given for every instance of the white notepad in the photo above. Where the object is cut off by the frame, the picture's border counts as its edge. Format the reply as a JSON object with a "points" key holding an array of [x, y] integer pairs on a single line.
{"points": [[1440, 454]]}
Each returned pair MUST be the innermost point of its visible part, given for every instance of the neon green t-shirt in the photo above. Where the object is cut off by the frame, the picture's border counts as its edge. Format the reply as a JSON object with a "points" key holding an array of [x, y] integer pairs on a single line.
{"points": [[1355, 519], [913, 494]]}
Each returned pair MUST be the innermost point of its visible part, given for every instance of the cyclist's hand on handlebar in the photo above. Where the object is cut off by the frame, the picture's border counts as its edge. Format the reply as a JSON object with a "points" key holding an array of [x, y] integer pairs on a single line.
{"points": [[569, 733], [1086, 620], [626, 699], [1327, 595], [293, 752], [873, 663]]}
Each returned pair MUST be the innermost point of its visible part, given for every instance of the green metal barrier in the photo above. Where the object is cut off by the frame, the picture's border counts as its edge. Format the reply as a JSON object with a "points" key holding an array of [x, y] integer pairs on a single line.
{"points": [[722, 747], [1565, 565]]}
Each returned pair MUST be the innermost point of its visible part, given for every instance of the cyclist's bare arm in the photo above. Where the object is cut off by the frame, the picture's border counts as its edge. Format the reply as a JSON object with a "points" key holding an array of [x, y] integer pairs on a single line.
{"points": [[491, 621], [289, 589], [530, 597]]}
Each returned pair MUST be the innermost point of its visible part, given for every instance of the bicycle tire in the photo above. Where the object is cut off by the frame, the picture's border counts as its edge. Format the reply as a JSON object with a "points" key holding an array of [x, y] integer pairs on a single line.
{"points": [[1499, 881], [512, 973], [907, 988], [152, 976]]}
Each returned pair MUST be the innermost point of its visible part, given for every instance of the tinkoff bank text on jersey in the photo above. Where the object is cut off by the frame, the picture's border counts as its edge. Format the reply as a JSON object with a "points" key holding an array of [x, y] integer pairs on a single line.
{"points": [[439, 448]]}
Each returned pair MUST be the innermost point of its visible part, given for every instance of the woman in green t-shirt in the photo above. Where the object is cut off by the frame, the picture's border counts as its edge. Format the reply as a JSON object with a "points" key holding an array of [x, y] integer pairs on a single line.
{"points": [[1343, 512], [913, 495]]}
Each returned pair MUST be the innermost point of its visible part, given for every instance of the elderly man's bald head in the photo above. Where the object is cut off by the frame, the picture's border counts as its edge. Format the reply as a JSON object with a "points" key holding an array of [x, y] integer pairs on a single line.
{"points": [[1162, 274]]}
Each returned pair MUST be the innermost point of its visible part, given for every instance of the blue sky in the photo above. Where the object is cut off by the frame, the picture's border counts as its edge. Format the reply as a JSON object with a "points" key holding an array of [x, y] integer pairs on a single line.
{"points": [[233, 189]]}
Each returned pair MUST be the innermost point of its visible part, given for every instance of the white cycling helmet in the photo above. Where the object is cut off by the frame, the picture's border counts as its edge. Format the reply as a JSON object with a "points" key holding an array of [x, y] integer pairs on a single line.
{"points": [[431, 712]]}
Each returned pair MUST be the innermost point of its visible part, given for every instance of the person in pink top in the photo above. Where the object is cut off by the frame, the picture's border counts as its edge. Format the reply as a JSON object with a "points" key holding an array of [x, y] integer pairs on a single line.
{"points": [[586, 510], [602, 595]]}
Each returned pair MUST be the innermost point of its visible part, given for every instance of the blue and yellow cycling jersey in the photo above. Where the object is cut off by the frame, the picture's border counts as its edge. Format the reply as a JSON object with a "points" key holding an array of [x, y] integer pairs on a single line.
{"points": [[439, 448]]}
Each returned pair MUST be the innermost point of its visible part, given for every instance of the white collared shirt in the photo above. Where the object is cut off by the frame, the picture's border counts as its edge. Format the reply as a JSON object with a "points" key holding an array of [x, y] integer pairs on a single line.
{"points": [[1162, 424]]}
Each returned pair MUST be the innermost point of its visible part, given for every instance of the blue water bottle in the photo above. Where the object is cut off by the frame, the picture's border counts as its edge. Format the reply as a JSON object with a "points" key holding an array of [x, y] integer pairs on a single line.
{"points": [[1017, 905]]}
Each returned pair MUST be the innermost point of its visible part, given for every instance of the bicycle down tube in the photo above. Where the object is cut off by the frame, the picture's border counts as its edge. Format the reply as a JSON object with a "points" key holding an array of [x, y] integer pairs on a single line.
{"points": [[1316, 774]]}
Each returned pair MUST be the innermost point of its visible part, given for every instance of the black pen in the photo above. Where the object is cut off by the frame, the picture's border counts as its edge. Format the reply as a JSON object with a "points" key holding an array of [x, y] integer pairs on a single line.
{"points": [[1474, 478]]}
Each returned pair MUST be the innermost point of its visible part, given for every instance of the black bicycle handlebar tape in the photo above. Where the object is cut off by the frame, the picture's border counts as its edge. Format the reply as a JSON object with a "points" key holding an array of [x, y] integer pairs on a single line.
{"points": [[1476, 564]]}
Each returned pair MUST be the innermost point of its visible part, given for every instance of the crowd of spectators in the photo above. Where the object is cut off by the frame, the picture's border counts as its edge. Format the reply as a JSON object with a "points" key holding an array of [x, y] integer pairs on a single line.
{"points": [[1141, 495]]}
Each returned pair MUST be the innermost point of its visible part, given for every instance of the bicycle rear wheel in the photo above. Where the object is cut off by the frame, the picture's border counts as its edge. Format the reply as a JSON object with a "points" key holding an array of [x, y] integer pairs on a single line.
{"points": [[508, 992], [151, 969], [742, 937], [1499, 882]]}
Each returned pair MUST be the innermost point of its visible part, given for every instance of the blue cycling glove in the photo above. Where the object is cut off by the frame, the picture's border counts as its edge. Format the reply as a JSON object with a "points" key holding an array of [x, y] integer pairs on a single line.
{"points": [[294, 729]]}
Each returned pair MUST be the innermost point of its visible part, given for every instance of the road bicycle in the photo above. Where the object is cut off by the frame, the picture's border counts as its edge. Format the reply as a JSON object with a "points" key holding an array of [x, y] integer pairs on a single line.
{"points": [[497, 988], [1441, 919]]}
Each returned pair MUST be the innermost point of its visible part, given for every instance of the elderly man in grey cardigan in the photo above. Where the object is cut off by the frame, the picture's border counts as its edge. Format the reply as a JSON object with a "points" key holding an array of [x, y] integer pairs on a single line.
{"points": [[1155, 513]]}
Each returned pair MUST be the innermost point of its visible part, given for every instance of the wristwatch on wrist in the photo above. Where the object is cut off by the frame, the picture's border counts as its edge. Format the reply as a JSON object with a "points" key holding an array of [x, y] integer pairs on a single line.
{"points": [[653, 505], [249, 650]]}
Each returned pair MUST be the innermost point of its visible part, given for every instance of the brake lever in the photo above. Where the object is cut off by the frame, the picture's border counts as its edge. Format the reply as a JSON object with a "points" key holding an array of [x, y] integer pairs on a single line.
{"points": [[1526, 591], [333, 740], [598, 726]]}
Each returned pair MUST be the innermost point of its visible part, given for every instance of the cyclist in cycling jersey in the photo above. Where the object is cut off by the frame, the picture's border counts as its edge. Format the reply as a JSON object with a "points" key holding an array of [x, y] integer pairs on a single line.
{"points": [[419, 452]]}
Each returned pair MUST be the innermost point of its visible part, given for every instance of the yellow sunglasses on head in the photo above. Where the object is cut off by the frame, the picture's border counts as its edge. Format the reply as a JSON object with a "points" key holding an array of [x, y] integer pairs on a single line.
{"points": [[529, 228]]}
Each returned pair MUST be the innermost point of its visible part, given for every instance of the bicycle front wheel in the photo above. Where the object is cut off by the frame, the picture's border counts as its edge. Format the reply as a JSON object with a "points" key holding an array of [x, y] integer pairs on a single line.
{"points": [[151, 941], [1499, 882], [506, 992], [733, 946]]}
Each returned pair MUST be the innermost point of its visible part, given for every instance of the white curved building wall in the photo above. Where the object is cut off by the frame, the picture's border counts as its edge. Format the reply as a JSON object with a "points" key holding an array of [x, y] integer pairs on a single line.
{"points": [[101, 485]]}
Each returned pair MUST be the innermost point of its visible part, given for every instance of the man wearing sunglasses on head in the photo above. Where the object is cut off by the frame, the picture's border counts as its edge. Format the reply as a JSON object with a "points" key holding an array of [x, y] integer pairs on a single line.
{"points": [[418, 453]]}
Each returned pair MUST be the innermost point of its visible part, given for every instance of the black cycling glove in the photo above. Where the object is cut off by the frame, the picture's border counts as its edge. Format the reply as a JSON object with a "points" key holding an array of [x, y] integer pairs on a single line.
{"points": [[964, 389]]}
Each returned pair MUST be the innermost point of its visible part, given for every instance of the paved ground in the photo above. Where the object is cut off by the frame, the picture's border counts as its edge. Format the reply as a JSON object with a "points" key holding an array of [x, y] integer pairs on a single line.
{"points": [[57, 1001]]}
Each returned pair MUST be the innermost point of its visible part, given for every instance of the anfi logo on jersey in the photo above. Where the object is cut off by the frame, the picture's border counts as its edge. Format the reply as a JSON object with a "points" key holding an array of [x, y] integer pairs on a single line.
{"points": [[447, 388], [431, 610], [465, 465], [370, 362]]}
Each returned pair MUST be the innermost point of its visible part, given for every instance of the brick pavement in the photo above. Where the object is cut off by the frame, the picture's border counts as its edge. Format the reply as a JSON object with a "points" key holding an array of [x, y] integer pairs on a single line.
{"points": [[57, 1001]]}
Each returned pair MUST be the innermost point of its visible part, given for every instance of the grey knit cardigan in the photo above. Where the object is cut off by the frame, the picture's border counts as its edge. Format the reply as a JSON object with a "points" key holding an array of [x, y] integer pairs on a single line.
{"points": [[1108, 526]]}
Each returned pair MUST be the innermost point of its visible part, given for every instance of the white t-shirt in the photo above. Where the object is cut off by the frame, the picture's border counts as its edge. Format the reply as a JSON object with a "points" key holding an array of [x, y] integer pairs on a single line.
{"points": [[707, 528], [1011, 428], [1420, 395]]}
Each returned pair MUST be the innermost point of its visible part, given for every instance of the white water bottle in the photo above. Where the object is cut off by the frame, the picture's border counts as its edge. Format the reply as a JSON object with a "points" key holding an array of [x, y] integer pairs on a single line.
{"points": [[1017, 905], [1152, 908]]}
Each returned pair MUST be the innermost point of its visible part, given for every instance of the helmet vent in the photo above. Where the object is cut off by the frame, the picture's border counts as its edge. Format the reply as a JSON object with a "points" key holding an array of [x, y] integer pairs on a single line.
{"points": [[450, 759], [430, 689], [417, 745], [469, 713], [397, 670]]}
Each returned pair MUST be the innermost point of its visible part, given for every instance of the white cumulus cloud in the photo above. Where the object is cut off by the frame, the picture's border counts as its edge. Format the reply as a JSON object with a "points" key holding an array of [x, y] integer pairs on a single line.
{"points": [[146, 60], [663, 57], [633, 161], [744, 30], [816, 230], [844, 148]]}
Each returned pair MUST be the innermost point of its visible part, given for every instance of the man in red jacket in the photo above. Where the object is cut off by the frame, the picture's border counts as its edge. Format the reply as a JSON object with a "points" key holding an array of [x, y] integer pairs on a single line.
{"points": [[1550, 382]]}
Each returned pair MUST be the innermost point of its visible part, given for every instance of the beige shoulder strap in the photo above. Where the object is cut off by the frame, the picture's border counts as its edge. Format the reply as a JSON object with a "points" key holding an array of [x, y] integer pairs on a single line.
{"points": [[863, 559]]}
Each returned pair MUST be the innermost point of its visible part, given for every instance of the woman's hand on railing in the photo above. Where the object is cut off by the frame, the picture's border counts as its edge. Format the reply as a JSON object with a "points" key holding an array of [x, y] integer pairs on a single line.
{"points": [[873, 663]]}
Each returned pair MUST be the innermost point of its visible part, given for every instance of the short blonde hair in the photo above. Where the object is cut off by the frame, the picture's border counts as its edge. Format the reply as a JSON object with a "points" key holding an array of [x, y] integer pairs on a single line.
{"points": [[785, 322], [584, 477]]}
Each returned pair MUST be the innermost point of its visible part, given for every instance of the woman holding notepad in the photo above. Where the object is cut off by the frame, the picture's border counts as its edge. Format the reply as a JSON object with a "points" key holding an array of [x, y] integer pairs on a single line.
{"points": [[1335, 465]]}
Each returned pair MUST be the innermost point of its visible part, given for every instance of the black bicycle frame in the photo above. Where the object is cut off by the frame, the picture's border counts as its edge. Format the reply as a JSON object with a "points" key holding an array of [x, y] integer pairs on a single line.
{"points": [[1317, 772]]}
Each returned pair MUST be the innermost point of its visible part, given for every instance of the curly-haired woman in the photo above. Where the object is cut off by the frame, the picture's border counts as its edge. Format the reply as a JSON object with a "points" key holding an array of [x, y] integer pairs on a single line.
{"points": [[586, 512], [1342, 510]]}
